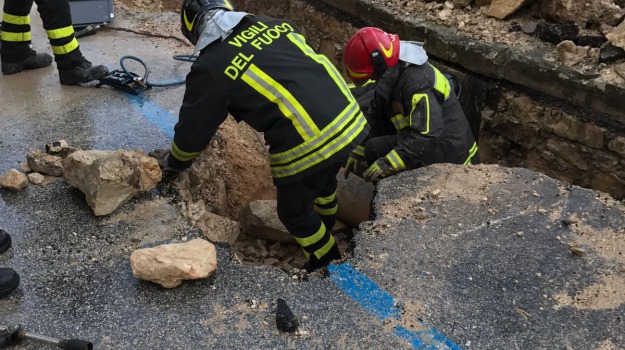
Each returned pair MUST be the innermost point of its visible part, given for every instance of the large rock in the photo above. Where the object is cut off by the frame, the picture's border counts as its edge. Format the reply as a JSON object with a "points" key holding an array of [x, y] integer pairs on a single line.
{"points": [[597, 11], [355, 196], [111, 178], [219, 228], [617, 36], [501, 9], [260, 219], [170, 264], [13, 180], [45, 163]]}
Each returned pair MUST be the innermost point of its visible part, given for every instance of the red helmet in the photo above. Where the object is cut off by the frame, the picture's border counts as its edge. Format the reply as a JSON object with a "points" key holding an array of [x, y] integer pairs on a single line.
{"points": [[370, 50]]}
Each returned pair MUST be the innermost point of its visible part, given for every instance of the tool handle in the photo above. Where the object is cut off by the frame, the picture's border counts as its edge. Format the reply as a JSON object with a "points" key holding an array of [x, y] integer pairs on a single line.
{"points": [[75, 344]]}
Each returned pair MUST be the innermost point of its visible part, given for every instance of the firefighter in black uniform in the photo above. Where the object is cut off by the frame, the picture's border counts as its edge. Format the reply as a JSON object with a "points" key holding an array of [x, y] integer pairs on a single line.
{"points": [[17, 55], [415, 116], [262, 71]]}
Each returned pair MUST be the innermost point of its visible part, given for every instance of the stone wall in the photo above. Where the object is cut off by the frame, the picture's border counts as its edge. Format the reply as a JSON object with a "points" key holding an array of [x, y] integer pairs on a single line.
{"points": [[526, 112]]}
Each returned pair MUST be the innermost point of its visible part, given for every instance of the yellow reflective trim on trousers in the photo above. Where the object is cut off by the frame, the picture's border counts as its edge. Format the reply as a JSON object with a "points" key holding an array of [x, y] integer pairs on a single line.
{"points": [[396, 162], [65, 49], [15, 37], [342, 141], [325, 249], [60, 33], [330, 131], [327, 211], [316, 237], [359, 150], [180, 154], [416, 98], [472, 153], [400, 121], [17, 20], [300, 42], [325, 200], [441, 84], [289, 106]]}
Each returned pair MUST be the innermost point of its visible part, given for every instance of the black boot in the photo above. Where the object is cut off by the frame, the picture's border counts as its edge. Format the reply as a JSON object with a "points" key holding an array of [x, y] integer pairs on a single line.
{"points": [[9, 280], [333, 254], [82, 72], [5, 241], [34, 61]]}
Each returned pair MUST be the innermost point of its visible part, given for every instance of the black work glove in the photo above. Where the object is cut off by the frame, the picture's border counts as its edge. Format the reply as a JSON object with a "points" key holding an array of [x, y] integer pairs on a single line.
{"points": [[165, 162], [9, 337]]}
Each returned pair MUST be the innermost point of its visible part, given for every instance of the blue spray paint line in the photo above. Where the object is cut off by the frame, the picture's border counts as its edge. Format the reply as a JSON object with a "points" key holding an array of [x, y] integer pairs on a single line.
{"points": [[154, 113], [381, 304]]}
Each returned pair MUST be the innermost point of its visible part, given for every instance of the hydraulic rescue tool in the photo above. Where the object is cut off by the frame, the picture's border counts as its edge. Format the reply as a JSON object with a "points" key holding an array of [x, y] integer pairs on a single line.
{"points": [[14, 335]]}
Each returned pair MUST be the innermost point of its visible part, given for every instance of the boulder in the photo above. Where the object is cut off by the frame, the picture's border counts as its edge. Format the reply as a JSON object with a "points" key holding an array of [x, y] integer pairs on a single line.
{"points": [[13, 180], [355, 196], [170, 264], [260, 219], [45, 163], [501, 9], [111, 178], [219, 228]]}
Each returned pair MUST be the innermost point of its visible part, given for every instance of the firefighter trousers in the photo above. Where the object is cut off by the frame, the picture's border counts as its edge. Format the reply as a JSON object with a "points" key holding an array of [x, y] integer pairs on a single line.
{"points": [[307, 208], [57, 21]]}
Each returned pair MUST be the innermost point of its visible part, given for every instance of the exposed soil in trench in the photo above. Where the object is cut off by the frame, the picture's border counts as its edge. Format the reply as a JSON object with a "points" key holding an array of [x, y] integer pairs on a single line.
{"points": [[234, 168]]}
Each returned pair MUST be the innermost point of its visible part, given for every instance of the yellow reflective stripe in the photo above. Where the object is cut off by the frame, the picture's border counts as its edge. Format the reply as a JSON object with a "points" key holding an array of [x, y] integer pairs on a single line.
{"points": [[15, 37], [65, 49], [346, 116], [328, 211], [396, 162], [400, 121], [180, 154], [416, 98], [353, 86], [340, 142], [276, 93], [325, 200], [300, 42], [325, 249], [60, 32], [472, 152], [359, 150], [306, 241], [17, 20], [441, 84]]}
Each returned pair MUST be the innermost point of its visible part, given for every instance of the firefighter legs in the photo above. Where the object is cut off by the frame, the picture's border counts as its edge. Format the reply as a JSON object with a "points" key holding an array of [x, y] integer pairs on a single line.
{"points": [[304, 207]]}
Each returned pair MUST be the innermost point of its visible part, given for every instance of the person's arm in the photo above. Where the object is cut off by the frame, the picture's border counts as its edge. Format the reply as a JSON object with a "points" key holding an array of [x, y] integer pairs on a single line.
{"points": [[203, 110]]}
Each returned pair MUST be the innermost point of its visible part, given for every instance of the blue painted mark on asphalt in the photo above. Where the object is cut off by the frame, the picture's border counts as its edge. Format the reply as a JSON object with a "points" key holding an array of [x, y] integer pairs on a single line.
{"points": [[154, 113], [381, 304]]}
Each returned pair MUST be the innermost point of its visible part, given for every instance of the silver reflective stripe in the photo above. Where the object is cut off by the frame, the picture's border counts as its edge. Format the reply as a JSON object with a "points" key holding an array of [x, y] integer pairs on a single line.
{"points": [[344, 139], [277, 95], [320, 139]]}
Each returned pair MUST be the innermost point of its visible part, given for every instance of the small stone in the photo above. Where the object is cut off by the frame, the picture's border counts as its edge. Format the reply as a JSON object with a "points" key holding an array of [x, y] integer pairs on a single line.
{"points": [[444, 14], [25, 168], [285, 319], [535, 194], [436, 193], [449, 5], [519, 234], [557, 32], [421, 215], [610, 53], [36, 178], [56, 147], [570, 220], [577, 251], [529, 28], [13, 180], [591, 40], [542, 211]]}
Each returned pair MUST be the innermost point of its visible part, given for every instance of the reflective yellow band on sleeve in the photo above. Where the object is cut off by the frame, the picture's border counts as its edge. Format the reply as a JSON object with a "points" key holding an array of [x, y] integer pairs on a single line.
{"points": [[15, 37], [395, 160], [472, 153], [181, 155], [60, 33], [441, 83], [306, 241], [65, 49], [416, 98], [359, 150], [400, 121], [17, 20]]}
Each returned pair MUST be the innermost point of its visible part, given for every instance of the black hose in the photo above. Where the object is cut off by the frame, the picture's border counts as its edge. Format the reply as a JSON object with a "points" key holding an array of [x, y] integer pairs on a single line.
{"points": [[184, 58]]}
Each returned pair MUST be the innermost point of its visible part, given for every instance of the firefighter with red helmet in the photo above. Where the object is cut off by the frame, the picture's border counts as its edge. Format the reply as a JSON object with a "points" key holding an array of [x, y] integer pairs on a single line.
{"points": [[261, 71], [415, 115]]}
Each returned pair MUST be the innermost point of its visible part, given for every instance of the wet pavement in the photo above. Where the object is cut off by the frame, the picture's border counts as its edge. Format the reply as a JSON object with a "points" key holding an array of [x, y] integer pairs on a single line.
{"points": [[77, 283]]}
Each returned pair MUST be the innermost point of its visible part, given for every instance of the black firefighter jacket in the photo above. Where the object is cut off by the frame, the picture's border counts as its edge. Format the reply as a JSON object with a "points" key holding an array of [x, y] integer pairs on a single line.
{"points": [[418, 104], [265, 74]]}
